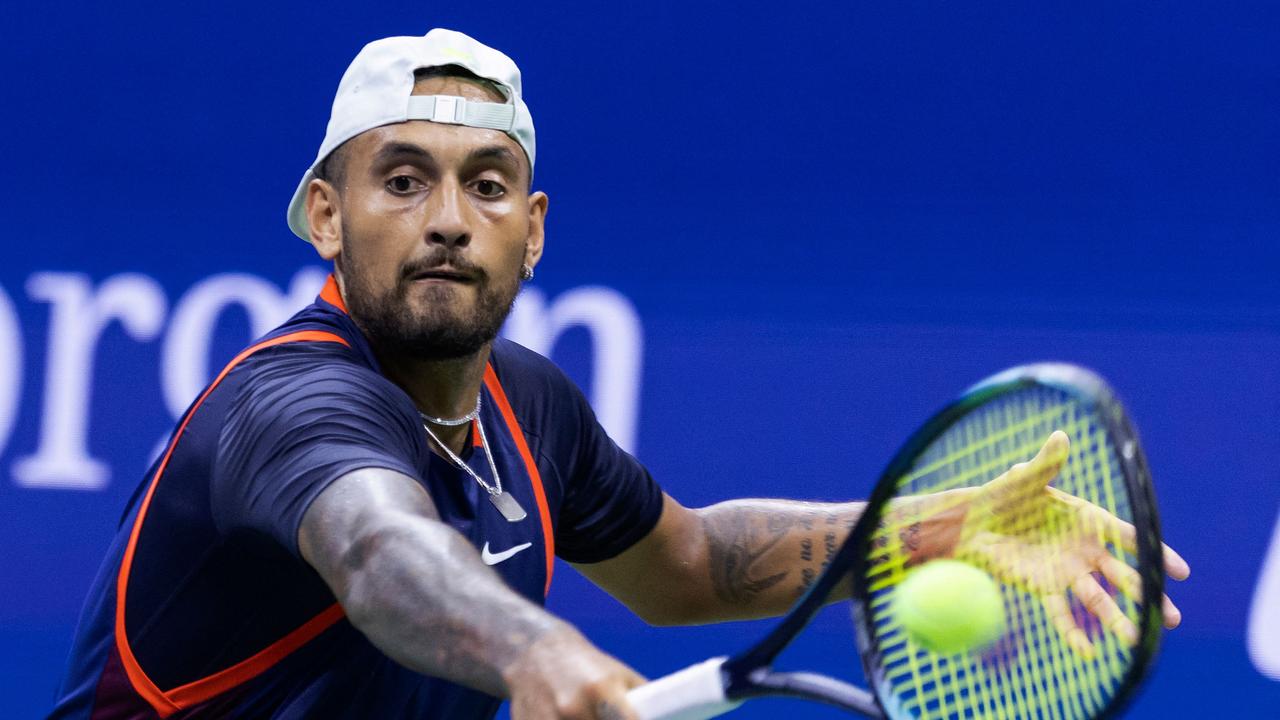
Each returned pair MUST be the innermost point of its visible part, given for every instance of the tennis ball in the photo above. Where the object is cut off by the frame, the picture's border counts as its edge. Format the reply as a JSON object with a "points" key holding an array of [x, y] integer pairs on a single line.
{"points": [[949, 607]]}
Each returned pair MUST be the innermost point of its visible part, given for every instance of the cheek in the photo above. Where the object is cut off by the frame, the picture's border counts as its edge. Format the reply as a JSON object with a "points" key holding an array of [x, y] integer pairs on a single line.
{"points": [[503, 235], [377, 217], [381, 240], [374, 267]]}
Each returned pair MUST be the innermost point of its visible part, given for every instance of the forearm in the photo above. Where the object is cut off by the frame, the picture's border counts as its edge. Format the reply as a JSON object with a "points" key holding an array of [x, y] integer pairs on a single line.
{"points": [[761, 555], [418, 591]]}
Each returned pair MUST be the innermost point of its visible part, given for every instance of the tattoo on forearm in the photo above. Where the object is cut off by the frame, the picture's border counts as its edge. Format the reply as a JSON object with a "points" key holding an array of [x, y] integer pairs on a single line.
{"points": [[758, 545], [830, 545], [738, 540], [807, 576], [910, 537], [439, 610]]}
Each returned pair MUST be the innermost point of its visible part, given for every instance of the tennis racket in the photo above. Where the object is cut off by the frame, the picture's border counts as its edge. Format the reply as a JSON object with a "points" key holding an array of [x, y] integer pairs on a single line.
{"points": [[1074, 550]]}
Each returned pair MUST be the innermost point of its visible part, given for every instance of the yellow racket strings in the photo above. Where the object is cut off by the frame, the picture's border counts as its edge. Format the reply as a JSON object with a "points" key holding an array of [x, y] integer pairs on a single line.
{"points": [[1019, 536]]}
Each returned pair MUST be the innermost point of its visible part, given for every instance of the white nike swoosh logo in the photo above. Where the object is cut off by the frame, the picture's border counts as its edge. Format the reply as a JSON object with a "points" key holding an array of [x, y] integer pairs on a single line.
{"points": [[495, 558]]}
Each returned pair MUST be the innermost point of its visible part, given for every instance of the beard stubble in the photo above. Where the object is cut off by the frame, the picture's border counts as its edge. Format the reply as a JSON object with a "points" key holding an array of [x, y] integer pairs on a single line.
{"points": [[442, 330]]}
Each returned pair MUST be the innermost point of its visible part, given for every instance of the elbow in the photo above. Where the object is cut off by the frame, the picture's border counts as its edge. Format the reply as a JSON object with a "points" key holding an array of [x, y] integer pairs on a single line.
{"points": [[676, 602], [664, 617], [679, 614]]}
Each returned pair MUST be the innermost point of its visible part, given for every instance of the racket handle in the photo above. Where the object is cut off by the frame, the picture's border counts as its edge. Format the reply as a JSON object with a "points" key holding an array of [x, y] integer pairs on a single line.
{"points": [[694, 693]]}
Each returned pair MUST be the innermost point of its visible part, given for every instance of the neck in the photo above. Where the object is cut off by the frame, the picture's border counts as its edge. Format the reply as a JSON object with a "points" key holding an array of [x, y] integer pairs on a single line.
{"points": [[440, 388]]}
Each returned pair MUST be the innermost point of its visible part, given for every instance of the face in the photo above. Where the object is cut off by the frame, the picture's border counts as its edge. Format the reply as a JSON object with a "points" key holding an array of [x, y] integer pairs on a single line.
{"points": [[430, 230]]}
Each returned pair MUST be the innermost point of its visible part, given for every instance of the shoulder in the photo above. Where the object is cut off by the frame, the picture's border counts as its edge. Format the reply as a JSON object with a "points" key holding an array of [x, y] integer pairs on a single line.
{"points": [[538, 390], [282, 377], [518, 365]]}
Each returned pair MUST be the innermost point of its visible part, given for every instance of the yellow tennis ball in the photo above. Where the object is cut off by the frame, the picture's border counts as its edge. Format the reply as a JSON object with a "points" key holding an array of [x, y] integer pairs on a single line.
{"points": [[949, 607]]}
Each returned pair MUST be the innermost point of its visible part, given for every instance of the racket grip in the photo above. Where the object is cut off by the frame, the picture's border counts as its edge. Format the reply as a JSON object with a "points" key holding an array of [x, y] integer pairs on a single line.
{"points": [[694, 693]]}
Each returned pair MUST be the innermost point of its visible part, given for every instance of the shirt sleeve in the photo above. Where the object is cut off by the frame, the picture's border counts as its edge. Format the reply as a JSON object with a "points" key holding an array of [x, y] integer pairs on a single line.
{"points": [[610, 499], [293, 427]]}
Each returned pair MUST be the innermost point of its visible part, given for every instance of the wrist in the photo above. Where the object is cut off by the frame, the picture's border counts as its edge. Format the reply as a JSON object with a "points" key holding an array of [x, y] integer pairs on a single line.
{"points": [[544, 649], [928, 527]]}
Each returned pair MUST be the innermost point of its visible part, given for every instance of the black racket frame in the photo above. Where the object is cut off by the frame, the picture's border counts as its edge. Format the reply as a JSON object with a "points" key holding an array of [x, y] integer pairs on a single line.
{"points": [[750, 674]]}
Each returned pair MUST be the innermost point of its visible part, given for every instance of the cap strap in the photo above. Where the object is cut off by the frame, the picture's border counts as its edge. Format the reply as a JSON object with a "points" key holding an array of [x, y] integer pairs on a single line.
{"points": [[454, 110]]}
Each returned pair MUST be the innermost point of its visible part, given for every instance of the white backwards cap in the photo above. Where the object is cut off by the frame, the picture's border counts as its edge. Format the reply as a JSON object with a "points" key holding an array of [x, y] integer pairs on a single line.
{"points": [[377, 90]]}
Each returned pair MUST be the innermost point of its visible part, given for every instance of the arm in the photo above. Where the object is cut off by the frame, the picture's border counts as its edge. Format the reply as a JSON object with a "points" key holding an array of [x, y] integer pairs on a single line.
{"points": [[418, 590], [745, 559], [734, 560], [753, 558]]}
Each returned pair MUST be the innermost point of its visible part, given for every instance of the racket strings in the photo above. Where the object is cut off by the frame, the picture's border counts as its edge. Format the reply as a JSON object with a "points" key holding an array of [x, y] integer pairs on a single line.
{"points": [[1034, 670]]}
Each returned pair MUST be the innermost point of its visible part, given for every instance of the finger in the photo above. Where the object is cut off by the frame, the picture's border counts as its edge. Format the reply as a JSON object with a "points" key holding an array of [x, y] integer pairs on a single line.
{"points": [[1130, 582], [609, 710], [1054, 451], [614, 704], [1177, 568], [1122, 531], [1174, 564], [1064, 622], [1044, 467], [1102, 606], [1024, 479], [633, 679], [1121, 575], [1172, 615]]}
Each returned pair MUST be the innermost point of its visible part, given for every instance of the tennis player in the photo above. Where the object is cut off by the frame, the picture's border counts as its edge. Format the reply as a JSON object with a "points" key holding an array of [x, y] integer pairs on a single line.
{"points": [[358, 517]]}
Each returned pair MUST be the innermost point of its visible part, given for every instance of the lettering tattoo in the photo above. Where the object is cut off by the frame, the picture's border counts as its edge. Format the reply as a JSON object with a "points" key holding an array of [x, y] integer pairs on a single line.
{"points": [[807, 576], [738, 539], [765, 553], [811, 567]]}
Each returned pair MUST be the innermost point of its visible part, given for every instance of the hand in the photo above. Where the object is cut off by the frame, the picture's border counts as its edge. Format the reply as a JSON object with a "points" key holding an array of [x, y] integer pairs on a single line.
{"points": [[1046, 541], [562, 676]]}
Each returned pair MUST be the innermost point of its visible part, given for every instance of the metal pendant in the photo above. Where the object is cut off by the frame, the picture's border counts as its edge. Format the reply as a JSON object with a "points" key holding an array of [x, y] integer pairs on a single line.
{"points": [[508, 506]]}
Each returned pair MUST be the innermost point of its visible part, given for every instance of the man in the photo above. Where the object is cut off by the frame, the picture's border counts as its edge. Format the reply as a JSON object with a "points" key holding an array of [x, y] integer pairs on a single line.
{"points": [[358, 517]]}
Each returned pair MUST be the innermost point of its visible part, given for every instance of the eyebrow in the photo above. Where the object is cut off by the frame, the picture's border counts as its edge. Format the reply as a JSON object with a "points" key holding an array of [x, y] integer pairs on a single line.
{"points": [[397, 150], [499, 155], [493, 152]]}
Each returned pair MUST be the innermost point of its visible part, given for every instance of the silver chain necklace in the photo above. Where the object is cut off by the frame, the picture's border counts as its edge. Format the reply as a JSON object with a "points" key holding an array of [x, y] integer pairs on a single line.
{"points": [[452, 422], [503, 501]]}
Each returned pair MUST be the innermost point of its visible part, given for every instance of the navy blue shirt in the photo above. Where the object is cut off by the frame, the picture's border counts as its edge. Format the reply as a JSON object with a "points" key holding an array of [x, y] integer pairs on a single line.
{"points": [[204, 607]]}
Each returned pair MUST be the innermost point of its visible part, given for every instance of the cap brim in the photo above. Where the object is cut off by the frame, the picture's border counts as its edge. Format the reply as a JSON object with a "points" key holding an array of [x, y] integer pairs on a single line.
{"points": [[297, 214]]}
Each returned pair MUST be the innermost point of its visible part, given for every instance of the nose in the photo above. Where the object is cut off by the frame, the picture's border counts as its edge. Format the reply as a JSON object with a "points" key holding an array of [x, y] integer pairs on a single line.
{"points": [[447, 216]]}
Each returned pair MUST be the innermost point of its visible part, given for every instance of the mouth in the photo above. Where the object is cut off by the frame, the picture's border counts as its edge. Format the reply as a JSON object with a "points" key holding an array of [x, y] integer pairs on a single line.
{"points": [[444, 273]]}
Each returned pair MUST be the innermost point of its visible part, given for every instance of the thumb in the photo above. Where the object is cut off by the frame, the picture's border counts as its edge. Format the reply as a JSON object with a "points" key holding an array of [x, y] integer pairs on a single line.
{"points": [[1045, 465], [616, 705], [1039, 471]]}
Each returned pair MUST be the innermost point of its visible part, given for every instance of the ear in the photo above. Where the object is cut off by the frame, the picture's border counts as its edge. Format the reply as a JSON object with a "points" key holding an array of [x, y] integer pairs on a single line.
{"points": [[537, 228], [324, 216]]}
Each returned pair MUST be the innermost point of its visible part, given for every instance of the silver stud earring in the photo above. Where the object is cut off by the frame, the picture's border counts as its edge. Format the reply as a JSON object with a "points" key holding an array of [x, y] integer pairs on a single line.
{"points": [[526, 272]]}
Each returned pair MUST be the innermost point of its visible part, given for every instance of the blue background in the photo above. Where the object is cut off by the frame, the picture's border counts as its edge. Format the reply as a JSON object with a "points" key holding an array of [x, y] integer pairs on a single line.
{"points": [[829, 217]]}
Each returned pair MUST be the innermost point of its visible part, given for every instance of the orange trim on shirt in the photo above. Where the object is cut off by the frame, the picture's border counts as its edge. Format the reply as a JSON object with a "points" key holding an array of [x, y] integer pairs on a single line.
{"points": [[222, 681], [332, 295], [548, 536], [164, 703]]}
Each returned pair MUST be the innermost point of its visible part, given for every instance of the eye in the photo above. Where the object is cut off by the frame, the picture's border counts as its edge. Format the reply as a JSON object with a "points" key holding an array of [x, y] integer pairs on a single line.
{"points": [[403, 184], [489, 188]]}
